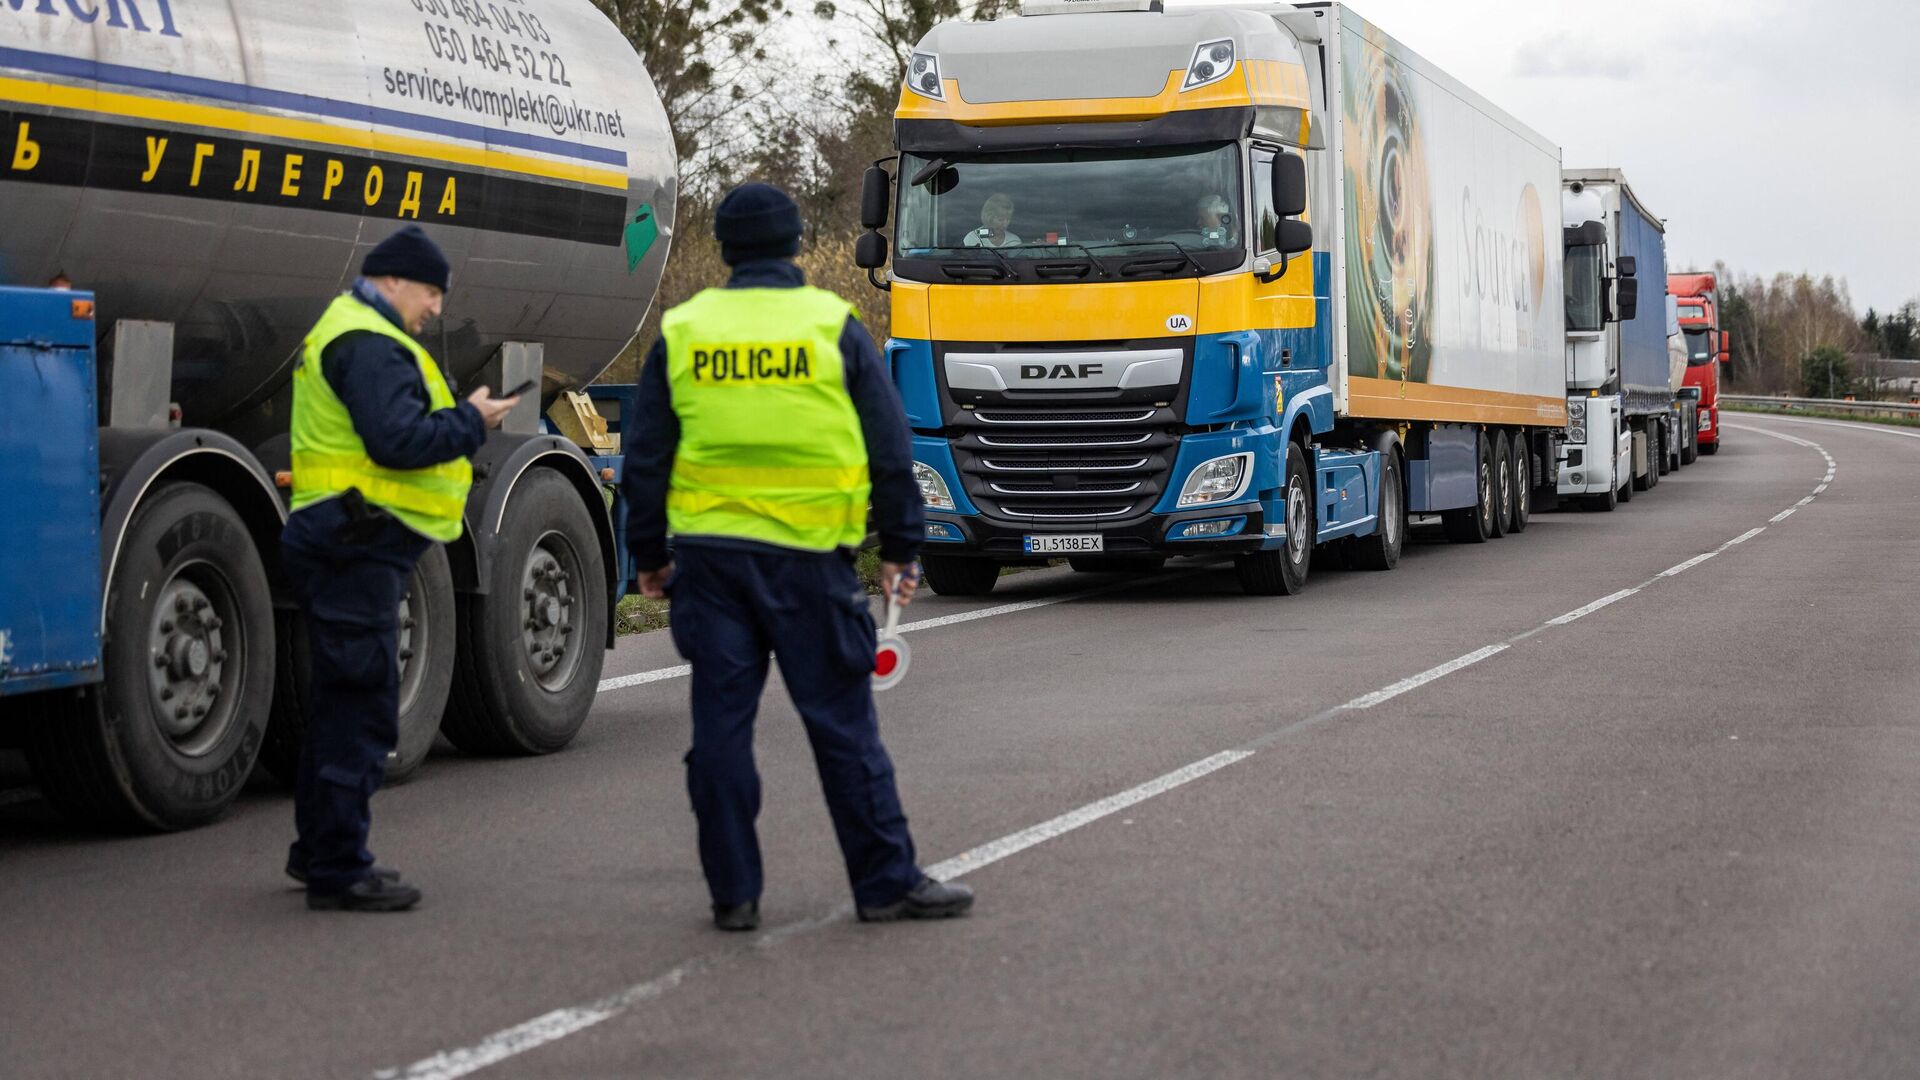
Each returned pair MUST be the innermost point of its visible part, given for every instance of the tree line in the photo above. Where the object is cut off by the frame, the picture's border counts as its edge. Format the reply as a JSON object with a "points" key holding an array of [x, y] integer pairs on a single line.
{"points": [[801, 93]]}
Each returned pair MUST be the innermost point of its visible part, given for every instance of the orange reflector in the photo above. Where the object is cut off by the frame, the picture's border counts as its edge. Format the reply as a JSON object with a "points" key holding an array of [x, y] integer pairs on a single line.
{"points": [[283, 479], [607, 475], [83, 309]]}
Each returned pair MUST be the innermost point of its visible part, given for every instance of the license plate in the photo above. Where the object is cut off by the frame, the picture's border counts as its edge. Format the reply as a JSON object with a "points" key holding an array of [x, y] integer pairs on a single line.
{"points": [[1065, 545]]}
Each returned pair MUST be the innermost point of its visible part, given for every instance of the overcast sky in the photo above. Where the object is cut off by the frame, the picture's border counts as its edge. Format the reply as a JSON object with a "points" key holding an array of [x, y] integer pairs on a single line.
{"points": [[1777, 135]]}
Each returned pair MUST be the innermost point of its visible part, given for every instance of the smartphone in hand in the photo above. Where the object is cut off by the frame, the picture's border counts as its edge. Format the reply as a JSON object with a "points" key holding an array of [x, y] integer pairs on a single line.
{"points": [[518, 390]]}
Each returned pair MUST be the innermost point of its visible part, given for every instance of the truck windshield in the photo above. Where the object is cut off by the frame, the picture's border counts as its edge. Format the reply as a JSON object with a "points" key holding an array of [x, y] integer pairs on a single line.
{"points": [[1699, 347], [1584, 311], [1134, 214]]}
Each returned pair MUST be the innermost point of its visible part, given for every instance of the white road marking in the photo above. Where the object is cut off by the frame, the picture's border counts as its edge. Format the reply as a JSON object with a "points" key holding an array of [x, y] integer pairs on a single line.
{"points": [[1585, 610], [1368, 701], [681, 671], [1853, 425], [989, 853], [560, 1023]]}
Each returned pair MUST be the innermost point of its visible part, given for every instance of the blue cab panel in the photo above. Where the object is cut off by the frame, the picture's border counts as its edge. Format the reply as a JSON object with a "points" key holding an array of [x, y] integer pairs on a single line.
{"points": [[49, 492]]}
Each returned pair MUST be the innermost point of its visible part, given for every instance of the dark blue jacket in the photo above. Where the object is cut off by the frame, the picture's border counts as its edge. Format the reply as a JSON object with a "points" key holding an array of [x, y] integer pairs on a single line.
{"points": [[376, 378], [898, 515]]}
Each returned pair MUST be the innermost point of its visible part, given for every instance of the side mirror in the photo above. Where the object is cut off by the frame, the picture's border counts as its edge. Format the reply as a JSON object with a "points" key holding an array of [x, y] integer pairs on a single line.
{"points": [[875, 189], [1289, 186], [1629, 266], [1293, 237], [1726, 345], [1627, 294], [870, 251]]}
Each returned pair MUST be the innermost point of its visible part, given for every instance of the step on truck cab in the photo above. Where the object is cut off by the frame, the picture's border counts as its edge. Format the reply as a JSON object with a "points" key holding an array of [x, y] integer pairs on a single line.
{"points": [[1709, 350], [1212, 281], [1620, 393]]}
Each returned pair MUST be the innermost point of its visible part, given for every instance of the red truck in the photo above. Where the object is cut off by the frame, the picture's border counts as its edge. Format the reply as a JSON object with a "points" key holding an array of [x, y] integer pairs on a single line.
{"points": [[1707, 349]]}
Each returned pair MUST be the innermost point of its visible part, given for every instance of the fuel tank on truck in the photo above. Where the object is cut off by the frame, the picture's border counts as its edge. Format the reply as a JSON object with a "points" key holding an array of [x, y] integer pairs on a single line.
{"points": [[224, 165]]}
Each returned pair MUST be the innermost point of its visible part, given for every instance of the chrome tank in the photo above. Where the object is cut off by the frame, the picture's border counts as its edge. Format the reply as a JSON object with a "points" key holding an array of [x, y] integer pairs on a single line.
{"points": [[225, 165]]}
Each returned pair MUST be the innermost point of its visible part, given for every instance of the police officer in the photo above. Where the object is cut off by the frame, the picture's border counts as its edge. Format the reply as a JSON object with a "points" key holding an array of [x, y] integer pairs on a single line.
{"points": [[380, 472], [766, 418]]}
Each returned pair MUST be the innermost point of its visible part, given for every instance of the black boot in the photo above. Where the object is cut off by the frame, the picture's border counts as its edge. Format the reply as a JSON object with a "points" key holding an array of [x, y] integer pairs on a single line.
{"points": [[737, 916], [928, 900], [370, 893], [299, 873]]}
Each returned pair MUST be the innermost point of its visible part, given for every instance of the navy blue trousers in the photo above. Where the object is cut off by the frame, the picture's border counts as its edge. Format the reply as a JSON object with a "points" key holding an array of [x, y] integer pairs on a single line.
{"points": [[350, 596], [730, 609]]}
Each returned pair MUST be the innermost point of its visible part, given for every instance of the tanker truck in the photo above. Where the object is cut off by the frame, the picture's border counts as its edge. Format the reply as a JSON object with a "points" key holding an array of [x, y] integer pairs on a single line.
{"points": [[1212, 281], [198, 179], [1708, 349]]}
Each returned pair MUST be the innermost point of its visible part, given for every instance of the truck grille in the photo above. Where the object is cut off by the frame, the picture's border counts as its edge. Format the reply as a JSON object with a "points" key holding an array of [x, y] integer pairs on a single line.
{"points": [[1058, 464]]}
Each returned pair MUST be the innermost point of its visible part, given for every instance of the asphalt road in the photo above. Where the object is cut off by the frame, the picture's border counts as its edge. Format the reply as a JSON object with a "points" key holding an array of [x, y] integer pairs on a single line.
{"points": [[1451, 821]]}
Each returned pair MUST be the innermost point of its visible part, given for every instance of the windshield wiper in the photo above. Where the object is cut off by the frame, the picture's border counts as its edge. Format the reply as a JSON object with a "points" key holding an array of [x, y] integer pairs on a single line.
{"points": [[1007, 267], [1092, 259], [1174, 244]]}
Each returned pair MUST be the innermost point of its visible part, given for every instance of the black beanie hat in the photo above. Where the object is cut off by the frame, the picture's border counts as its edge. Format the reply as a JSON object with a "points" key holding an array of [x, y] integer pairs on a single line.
{"points": [[757, 221], [411, 254]]}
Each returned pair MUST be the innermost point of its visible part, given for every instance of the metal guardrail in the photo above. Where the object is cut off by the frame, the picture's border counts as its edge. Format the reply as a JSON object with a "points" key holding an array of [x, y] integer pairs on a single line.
{"points": [[1855, 408]]}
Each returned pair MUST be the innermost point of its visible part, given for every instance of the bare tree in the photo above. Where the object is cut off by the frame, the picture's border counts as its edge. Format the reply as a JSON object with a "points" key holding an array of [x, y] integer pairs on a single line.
{"points": [[711, 61]]}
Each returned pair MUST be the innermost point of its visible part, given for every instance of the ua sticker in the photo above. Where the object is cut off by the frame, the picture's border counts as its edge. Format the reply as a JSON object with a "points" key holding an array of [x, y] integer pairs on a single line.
{"points": [[1179, 324]]}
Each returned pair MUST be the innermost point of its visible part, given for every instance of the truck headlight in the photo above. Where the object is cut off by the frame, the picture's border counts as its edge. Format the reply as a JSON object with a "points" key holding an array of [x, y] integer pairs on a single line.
{"points": [[933, 488], [1576, 411], [1577, 435], [923, 76], [1211, 63], [1221, 480], [1706, 419]]}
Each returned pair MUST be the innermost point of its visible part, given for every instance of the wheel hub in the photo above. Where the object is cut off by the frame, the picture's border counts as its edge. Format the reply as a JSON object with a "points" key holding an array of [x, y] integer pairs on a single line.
{"points": [[549, 591], [187, 643], [1296, 520]]}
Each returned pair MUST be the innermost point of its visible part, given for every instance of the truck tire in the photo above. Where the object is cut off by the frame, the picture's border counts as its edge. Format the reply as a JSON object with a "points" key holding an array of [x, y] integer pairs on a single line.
{"points": [[1690, 446], [167, 740], [1522, 484], [1503, 482], [1474, 524], [1381, 551], [1647, 480], [426, 676], [530, 649], [1117, 564], [1710, 448], [1283, 572], [952, 575]]}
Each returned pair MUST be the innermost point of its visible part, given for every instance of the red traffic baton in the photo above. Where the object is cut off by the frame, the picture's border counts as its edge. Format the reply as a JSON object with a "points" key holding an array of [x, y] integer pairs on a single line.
{"points": [[891, 655]]}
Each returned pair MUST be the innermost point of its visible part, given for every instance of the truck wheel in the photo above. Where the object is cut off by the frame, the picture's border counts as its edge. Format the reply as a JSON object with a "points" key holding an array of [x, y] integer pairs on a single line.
{"points": [[530, 649], [1690, 446], [1117, 564], [1283, 572], [426, 676], [168, 739], [951, 575], [1603, 503], [1474, 524], [1502, 484], [1522, 484], [1381, 551], [1710, 448], [1667, 460]]}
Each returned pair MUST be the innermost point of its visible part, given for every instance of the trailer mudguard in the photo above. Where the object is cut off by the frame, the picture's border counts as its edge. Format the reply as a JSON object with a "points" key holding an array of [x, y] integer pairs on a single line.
{"points": [[133, 461], [501, 463]]}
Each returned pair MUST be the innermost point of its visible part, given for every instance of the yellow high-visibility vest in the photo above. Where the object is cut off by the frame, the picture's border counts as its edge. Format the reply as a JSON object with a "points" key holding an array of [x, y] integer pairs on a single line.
{"points": [[328, 456], [770, 444]]}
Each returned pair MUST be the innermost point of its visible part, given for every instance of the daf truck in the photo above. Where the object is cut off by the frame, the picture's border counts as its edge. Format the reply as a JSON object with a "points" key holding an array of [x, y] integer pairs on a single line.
{"points": [[1620, 394], [1244, 281], [1709, 349], [198, 179]]}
